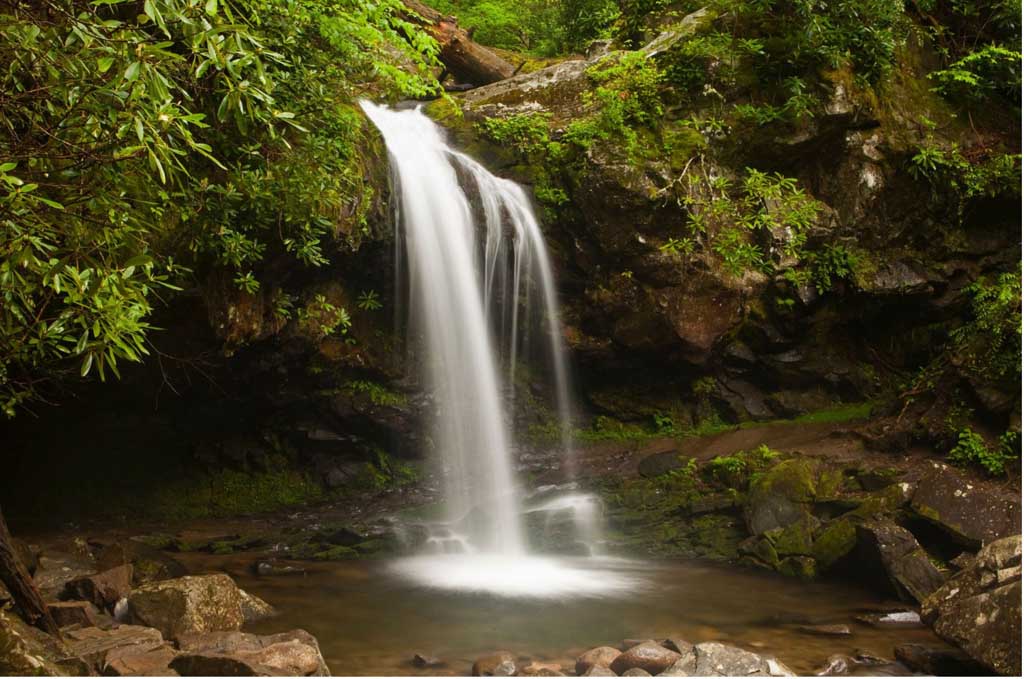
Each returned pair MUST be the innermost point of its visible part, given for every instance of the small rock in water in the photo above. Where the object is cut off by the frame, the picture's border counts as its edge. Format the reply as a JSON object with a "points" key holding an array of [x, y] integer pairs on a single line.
{"points": [[500, 664], [602, 656], [826, 630], [649, 656], [266, 567], [599, 671], [836, 665], [422, 661], [541, 669], [636, 672], [894, 619]]}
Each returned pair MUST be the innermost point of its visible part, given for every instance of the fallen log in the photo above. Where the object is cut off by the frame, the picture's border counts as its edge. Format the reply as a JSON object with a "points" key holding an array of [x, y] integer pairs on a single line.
{"points": [[466, 60], [19, 583]]}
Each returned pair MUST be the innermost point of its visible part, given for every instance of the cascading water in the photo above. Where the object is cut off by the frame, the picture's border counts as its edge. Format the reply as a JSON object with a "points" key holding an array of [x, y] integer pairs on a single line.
{"points": [[467, 297]]}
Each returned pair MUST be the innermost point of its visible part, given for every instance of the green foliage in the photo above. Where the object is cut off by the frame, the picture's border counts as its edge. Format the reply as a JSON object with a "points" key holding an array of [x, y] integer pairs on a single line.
{"points": [[626, 96], [725, 219], [989, 344], [971, 448], [386, 473], [540, 27], [320, 318], [980, 75], [369, 300], [140, 136], [525, 132], [830, 264], [379, 394]]}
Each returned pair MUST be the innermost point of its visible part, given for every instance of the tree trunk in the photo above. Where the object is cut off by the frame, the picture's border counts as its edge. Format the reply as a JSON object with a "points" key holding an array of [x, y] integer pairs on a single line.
{"points": [[468, 61], [19, 583]]}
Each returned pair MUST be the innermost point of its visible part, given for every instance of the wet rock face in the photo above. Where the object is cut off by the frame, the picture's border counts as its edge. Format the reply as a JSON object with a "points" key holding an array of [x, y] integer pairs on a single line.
{"points": [[979, 608], [148, 563], [969, 513], [294, 653], [901, 557], [203, 603]]}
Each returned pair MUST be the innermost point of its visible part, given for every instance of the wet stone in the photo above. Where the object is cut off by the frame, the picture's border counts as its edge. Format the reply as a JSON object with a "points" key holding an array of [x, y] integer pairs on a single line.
{"points": [[649, 656], [602, 656], [500, 664], [826, 630], [423, 661]]}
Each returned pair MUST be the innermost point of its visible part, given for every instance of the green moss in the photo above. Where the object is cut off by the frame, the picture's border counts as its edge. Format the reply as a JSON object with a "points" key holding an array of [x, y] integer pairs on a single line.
{"points": [[231, 493], [716, 536], [793, 540], [803, 567], [336, 553], [841, 413], [835, 542], [794, 479]]}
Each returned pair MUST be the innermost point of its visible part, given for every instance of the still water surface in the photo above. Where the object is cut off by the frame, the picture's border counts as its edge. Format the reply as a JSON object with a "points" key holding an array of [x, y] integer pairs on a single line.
{"points": [[370, 621]]}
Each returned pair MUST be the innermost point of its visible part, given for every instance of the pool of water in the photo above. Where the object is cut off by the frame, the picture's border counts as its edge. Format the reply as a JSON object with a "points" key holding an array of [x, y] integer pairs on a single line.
{"points": [[371, 619]]}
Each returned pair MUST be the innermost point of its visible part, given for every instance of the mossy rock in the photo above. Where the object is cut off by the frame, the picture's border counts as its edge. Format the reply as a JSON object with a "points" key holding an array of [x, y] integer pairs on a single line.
{"points": [[760, 551], [803, 567], [716, 536], [885, 501], [834, 542], [796, 539], [336, 553], [781, 496]]}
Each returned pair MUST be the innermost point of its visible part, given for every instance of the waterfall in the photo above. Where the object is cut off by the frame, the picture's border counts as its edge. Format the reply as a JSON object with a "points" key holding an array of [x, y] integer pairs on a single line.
{"points": [[481, 284]]}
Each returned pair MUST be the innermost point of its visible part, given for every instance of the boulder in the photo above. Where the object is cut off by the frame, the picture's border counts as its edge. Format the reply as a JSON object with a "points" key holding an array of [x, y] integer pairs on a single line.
{"points": [[21, 652], [686, 666], [979, 608], [540, 669], [678, 645], [94, 645], [649, 656], [602, 656], [255, 608], [104, 589], [636, 672], [939, 661], [148, 563], [660, 463], [970, 512], [66, 613], [194, 603], [781, 496], [720, 660], [599, 671], [135, 662], [905, 563], [57, 569], [499, 664], [295, 653]]}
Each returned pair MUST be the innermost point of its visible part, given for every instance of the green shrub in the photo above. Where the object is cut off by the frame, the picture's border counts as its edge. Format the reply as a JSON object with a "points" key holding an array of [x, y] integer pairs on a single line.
{"points": [[971, 448]]}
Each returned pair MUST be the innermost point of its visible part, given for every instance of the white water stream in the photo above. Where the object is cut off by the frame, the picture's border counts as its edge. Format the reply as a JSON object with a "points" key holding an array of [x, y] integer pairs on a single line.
{"points": [[474, 300]]}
